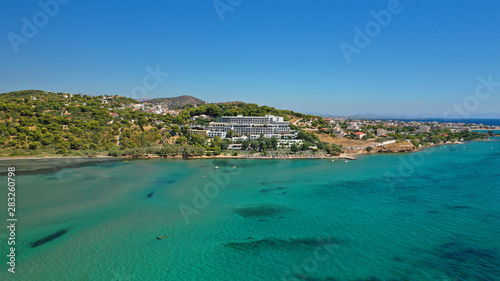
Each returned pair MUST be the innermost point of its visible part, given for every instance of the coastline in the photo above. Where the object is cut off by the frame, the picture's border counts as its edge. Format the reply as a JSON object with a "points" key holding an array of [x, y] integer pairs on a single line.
{"points": [[342, 156], [348, 156], [4, 158], [153, 156]]}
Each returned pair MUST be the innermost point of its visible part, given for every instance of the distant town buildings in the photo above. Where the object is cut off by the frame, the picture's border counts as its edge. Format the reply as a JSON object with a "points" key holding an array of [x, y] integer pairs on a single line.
{"points": [[424, 129], [360, 135], [353, 126], [339, 132], [381, 132], [154, 108]]}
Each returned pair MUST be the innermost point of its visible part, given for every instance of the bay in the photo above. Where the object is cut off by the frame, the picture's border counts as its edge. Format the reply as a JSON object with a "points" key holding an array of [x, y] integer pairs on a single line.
{"points": [[430, 215]]}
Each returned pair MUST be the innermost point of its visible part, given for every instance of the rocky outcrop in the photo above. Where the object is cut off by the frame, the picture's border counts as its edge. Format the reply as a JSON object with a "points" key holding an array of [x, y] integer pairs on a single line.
{"points": [[395, 148]]}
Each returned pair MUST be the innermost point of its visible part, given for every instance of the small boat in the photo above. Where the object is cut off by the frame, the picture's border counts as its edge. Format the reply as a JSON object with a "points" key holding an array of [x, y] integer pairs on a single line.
{"points": [[161, 237], [333, 160], [216, 167], [346, 161]]}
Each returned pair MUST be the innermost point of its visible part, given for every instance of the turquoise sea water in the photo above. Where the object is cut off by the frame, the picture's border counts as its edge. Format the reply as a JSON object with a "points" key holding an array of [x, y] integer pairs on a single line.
{"points": [[485, 121], [486, 131], [431, 215]]}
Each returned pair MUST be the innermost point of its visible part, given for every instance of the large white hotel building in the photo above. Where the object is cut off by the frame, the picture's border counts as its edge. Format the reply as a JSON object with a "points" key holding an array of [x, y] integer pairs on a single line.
{"points": [[250, 125]]}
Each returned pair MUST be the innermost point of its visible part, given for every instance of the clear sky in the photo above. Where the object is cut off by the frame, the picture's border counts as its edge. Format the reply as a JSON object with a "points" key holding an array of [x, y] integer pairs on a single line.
{"points": [[425, 59]]}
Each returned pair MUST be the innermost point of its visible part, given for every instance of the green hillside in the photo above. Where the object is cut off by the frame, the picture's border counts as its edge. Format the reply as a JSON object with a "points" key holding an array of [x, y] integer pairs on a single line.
{"points": [[177, 102], [35, 122]]}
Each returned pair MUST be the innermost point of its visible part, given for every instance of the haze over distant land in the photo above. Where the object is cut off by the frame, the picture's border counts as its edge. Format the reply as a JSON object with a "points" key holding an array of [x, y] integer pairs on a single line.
{"points": [[368, 115], [426, 58]]}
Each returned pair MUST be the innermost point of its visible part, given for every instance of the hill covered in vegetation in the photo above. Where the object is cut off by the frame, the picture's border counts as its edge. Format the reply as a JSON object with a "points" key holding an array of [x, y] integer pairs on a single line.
{"points": [[177, 102], [35, 122]]}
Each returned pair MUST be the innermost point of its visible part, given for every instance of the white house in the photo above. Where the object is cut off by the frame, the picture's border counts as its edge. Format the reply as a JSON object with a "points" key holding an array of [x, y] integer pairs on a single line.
{"points": [[213, 134]]}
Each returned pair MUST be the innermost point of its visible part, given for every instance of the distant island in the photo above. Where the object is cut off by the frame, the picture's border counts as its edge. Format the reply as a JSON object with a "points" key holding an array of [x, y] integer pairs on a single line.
{"points": [[38, 123]]}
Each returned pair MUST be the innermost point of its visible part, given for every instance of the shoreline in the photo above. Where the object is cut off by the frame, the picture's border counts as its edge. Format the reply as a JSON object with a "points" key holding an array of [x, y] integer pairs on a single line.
{"points": [[291, 156], [154, 156], [266, 157], [3, 158]]}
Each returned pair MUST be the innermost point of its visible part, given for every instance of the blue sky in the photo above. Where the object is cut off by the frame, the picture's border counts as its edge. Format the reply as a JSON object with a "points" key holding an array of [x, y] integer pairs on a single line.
{"points": [[426, 59]]}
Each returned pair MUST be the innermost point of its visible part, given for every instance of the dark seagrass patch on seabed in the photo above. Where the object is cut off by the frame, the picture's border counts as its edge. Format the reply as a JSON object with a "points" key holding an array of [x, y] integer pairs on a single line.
{"points": [[368, 185], [398, 259], [162, 183], [281, 244], [330, 278], [264, 210], [408, 199], [467, 262], [372, 278], [48, 238], [170, 181], [456, 207], [53, 166], [166, 181], [308, 278], [274, 182], [266, 190]]}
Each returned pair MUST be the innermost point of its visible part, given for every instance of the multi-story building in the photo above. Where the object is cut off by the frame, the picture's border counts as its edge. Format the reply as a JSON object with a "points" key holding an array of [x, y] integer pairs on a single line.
{"points": [[198, 132], [254, 120], [251, 125], [242, 138], [213, 134], [288, 143]]}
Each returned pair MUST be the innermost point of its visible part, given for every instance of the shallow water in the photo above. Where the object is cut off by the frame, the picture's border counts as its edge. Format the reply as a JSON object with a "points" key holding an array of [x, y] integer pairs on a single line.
{"points": [[431, 215]]}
